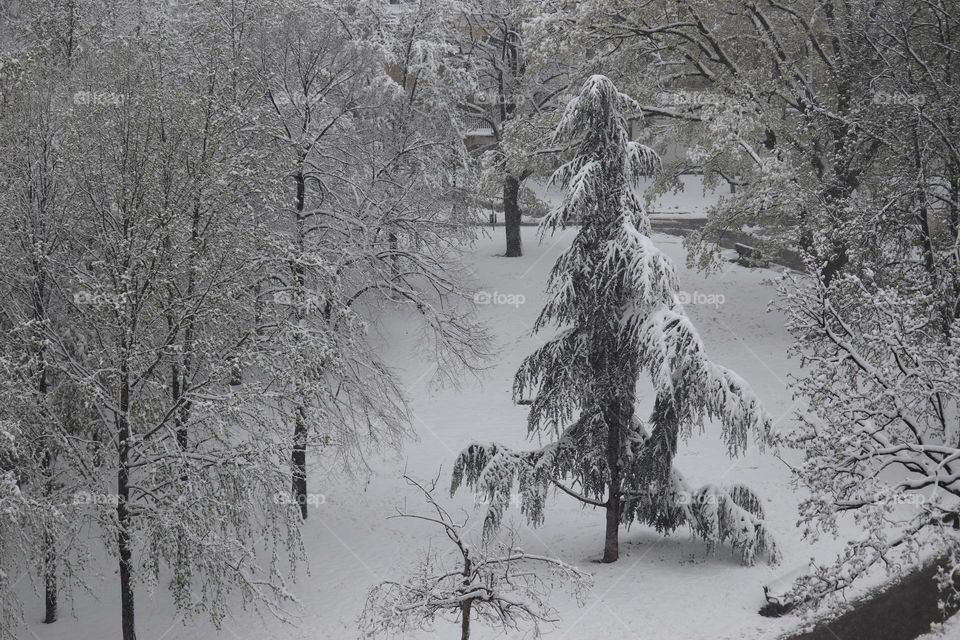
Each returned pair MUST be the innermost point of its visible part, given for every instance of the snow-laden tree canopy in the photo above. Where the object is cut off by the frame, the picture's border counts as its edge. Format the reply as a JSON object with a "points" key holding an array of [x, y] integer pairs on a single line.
{"points": [[614, 300]]}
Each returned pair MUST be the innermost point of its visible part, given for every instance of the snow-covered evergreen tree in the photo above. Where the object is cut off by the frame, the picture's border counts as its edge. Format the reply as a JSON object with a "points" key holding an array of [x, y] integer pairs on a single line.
{"points": [[614, 296]]}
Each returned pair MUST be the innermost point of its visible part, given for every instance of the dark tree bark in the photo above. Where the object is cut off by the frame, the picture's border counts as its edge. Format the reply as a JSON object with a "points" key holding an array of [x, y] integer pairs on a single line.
{"points": [[298, 458], [953, 300], [511, 216], [611, 543], [465, 620], [50, 578], [615, 416], [466, 605], [39, 297], [128, 627], [49, 545], [923, 215]]}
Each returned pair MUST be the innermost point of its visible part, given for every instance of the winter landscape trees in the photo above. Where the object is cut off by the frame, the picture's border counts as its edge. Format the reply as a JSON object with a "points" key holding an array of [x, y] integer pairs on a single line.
{"points": [[835, 121], [180, 466], [192, 281], [222, 219], [880, 441]]}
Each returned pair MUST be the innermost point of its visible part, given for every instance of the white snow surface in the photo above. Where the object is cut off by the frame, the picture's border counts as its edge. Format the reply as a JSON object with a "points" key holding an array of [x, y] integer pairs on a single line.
{"points": [[692, 201], [949, 630], [662, 588]]}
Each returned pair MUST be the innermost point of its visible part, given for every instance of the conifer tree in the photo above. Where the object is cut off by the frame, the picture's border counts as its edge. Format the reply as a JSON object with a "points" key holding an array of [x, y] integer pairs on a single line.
{"points": [[614, 297]]}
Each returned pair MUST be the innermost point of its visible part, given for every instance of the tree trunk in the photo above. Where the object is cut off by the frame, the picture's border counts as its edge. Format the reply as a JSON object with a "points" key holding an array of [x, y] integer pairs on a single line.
{"points": [[466, 605], [180, 430], [128, 628], [954, 207], [50, 578], [465, 620], [923, 216], [49, 460], [49, 549], [298, 460], [511, 216], [953, 224], [611, 546]]}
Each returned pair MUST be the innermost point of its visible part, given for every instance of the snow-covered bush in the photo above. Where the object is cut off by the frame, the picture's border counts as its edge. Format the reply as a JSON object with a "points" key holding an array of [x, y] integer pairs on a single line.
{"points": [[494, 582]]}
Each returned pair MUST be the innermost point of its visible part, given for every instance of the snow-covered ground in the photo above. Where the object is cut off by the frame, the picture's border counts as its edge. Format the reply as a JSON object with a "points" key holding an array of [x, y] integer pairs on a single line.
{"points": [[660, 588], [949, 630]]}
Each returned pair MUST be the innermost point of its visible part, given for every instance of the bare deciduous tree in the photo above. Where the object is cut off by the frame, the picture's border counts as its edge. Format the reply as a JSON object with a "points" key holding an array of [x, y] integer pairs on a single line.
{"points": [[495, 583]]}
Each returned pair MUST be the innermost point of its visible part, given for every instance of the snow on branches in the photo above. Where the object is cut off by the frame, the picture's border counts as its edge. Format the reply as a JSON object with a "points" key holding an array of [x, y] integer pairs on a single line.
{"points": [[720, 516], [730, 515], [614, 296], [881, 431], [495, 582], [679, 367]]}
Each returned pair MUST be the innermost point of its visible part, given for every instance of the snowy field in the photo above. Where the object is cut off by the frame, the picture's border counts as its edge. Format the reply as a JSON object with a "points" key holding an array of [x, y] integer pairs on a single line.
{"points": [[692, 201], [660, 588]]}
